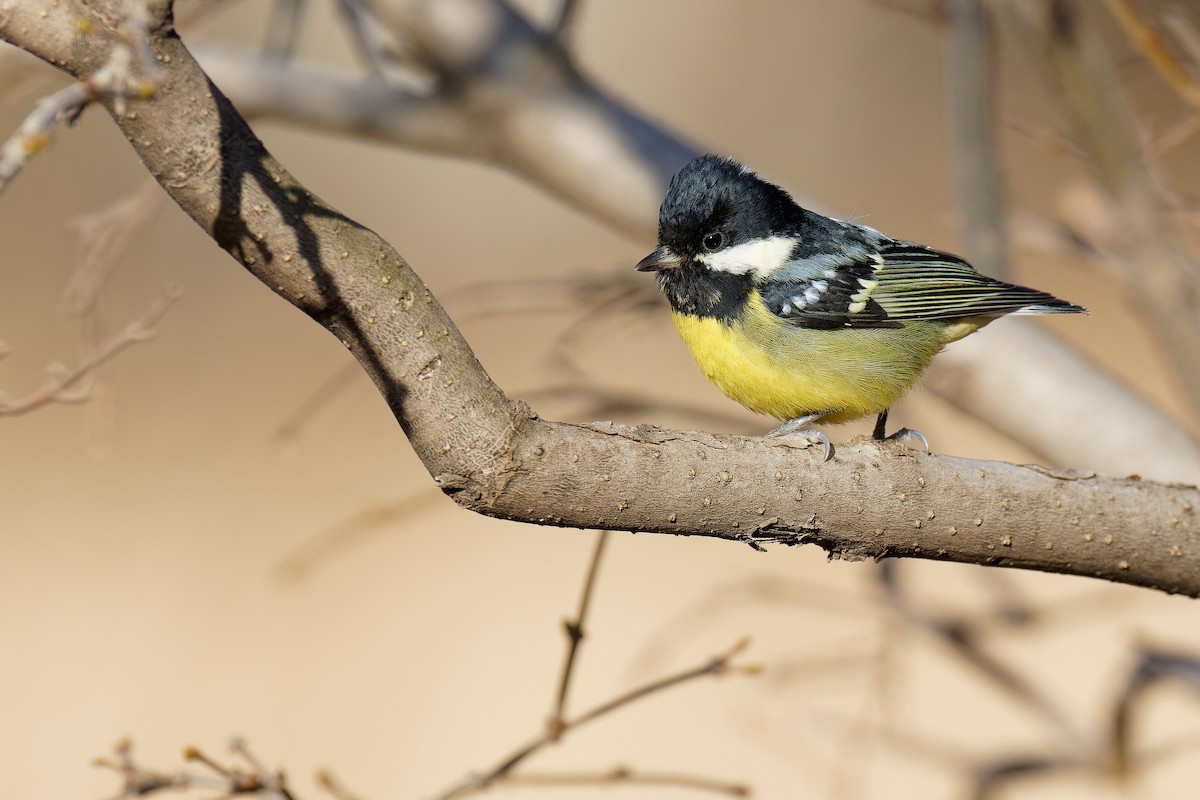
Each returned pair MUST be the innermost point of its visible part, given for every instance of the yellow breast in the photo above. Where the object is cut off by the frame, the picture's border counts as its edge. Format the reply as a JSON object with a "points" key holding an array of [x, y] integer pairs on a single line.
{"points": [[775, 368]]}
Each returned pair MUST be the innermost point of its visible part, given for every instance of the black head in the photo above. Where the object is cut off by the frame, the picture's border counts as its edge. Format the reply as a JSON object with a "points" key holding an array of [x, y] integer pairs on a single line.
{"points": [[713, 206], [715, 203]]}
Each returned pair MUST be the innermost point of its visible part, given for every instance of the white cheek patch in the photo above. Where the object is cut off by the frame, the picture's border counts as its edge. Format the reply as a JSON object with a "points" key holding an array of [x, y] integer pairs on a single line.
{"points": [[762, 256]]}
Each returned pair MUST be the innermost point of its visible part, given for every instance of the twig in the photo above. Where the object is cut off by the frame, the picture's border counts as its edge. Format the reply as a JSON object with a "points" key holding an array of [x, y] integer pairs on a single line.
{"points": [[575, 633], [241, 781], [370, 39], [1156, 51], [137, 781], [283, 30], [104, 236], [716, 666], [112, 81], [962, 636], [316, 401], [330, 783], [1155, 666], [59, 379], [354, 528], [564, 21], [626, 776], [1180, 24]]}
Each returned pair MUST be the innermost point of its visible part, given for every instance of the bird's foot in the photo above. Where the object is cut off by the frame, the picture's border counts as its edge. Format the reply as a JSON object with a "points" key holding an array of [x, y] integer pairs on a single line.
{"points": [[900, 435], [909, 433], [795, 428]]}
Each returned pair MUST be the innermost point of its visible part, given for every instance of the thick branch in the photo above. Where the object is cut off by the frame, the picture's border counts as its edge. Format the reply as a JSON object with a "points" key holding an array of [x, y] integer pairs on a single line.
{"points": [[495, 457]]}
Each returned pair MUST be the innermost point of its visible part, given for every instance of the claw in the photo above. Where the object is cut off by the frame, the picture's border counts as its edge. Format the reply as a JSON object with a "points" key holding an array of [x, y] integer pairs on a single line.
{"points": [[795, 427], [910, 433], [898, 436]]}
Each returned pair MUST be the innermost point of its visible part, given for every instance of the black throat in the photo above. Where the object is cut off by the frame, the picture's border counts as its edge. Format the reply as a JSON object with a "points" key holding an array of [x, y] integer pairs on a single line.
{"points": [[701, 292]]}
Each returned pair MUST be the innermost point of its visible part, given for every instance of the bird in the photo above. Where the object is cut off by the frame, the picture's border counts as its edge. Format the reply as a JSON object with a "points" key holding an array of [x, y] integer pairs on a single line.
{"points": [[807, 318]]}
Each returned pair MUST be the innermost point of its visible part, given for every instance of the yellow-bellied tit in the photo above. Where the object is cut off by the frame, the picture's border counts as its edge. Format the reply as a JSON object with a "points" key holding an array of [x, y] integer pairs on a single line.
{"points": [[808, 318]]}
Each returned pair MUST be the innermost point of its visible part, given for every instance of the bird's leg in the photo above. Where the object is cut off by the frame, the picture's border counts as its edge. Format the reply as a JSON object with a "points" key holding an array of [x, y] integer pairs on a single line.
{"points": [[795, 427], [898, 436], [880, 426]]}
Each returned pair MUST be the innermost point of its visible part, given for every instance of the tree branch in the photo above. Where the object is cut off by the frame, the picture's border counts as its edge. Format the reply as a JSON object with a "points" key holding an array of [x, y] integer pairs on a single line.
{"points": [[495, 457]]}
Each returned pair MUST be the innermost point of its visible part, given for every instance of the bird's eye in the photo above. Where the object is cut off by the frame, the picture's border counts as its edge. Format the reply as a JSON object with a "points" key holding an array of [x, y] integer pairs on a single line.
{"points": [[713, 241]]}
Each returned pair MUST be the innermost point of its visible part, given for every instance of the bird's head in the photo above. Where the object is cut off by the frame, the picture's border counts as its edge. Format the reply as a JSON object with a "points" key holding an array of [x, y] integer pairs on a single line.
{"points": [[719, 216]]}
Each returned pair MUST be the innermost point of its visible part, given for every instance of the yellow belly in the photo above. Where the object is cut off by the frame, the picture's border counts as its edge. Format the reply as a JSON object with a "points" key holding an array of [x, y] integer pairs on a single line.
{"points": [[774, 368]]}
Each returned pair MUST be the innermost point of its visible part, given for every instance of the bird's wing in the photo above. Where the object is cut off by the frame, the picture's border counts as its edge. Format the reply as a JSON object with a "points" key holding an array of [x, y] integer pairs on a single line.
{"points": [[884, 285]]}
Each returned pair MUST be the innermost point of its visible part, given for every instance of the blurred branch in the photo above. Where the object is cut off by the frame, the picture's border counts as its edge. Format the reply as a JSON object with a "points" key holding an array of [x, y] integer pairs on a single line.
{"points": [[559, 725], [116, 81], [719, 665], [972, 93], [59, 379], [283, 30], [339, 537], [233, 779], [564, 21], [1155, 666], [963, 636], [626, 776], [1161, 278], [1146, 39], [574, 630]]}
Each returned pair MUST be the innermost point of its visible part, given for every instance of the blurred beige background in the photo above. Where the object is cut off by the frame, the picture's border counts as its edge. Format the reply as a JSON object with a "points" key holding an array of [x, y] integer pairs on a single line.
{"points": [[143, 588]]}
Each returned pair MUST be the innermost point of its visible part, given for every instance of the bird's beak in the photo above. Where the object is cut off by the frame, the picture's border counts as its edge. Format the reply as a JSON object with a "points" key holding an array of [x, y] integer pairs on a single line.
{"points": [[662, 258]]}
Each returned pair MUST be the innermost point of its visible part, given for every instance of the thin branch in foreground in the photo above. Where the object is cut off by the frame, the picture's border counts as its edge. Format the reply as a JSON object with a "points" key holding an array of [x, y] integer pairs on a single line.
{"points": [[59, 379], [575, 632]]}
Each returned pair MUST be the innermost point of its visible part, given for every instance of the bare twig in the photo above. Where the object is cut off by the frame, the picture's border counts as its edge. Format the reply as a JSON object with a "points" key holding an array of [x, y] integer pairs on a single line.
{"points": [[1179, 23], [330, 783], [238, 780], [717, 666], [354, 529], [59, 379], [574, 629], [283, 30], [376, 46], [1155, 666], [564, 21], [315, 402], [627, 776], [1161, 276], [137, 781], [104, 236], [962, 635], [114, 81], [1147, 40]]}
